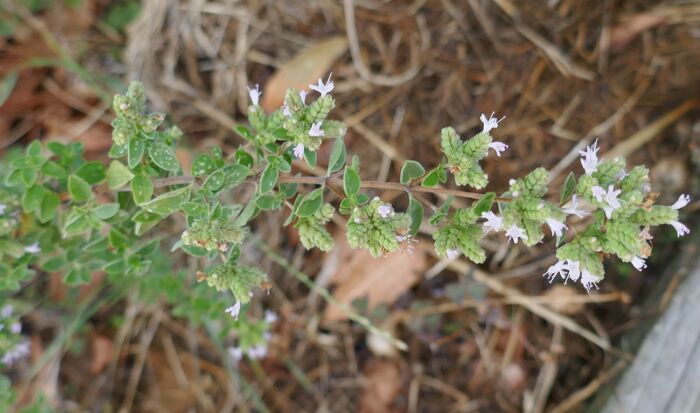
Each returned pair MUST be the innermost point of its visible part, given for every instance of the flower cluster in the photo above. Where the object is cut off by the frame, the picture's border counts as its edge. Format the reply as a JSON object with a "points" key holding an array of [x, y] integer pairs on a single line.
{"points": [[13, 346]]}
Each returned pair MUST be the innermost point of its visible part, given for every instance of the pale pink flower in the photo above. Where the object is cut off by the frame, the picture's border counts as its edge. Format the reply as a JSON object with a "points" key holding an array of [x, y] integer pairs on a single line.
{"points": [[234, 310], [323, 88], [498, 147], [452, 253], [589, 158], [639, 263], [493, 222], [515, 233], [557, 227], [254, 94], [298, 151], [316, 130], [680, 228], [682, 201], [490, 123], [385, 210]]}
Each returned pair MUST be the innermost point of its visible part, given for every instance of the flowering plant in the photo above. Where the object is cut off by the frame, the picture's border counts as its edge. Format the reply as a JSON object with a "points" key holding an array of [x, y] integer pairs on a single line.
{"points": [[62, 214]]}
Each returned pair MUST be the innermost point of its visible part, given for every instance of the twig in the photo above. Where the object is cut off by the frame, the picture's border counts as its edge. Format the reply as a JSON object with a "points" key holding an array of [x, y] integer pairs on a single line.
{"points": [[582, 394], [352, 314], [320, 180]]}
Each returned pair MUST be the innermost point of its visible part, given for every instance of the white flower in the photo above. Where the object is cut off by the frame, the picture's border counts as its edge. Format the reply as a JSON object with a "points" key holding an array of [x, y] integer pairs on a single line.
{"points": [[285, 110], [322, 88], [680, 228], [236, 353], [639, 263], [682, 201], [452, 253], [3, 207], [270, 317], [609, 198], [234, 310], [573, 208], [490, 123], [515, 233], [32, 249], [316, 130], [598, 193], [385, 210], [589, 158], [645, 234], [559, 268], [302, 95], [6, 311], [589, 280], [16, 328], [299, 151], [574, 271], [254, 94], [493, 222], [257, 352], [401, 238], [557, 227], [498, 147], [19, 351]]}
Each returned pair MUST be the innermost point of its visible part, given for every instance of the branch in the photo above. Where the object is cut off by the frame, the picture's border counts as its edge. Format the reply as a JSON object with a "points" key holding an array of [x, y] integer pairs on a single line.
{"points": [[313, 180]]}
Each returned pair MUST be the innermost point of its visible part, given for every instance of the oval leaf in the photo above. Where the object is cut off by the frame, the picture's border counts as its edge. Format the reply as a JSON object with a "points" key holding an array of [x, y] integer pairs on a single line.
{"points": [[484, 203], [411, 170], [351, 181], [415, 211], [311, 203], [163, 156], [269, 179], [106, 211], [136, 149], [79, 190], [118, 175], [567, 189], [337, 158], [169, 202], [141, 189]]}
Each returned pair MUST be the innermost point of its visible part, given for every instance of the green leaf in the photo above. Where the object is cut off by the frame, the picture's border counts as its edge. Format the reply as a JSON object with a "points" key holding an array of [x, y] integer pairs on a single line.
{"points": [[141, 189], [106, 211], [337, 158], [268, 179], [118, 175], [79, 189], [31, 201], [215, 181], [244, 132], [484, 203], [54, 170], [117, 239], [92, 172], [311, 203], [169, 202], [34, 148], [411, 170], [163, 156], [117, 151], [415, 211], [441, 212], [136, 149], [77, 276], [55, 264], [203, 164], [235, 175], [568, 188], [310, 157], [47, 209], [195, 209], [267, 202], [351, 181], [432, 179], [242, 157], [29, 176]]}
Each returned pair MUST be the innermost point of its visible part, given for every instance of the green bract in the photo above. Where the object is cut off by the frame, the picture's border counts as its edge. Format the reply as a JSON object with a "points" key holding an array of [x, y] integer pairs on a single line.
{"points": [[380, 233]]}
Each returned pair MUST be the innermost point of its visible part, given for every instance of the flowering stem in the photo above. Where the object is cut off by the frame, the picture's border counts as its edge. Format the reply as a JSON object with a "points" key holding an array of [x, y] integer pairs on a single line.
{"points": [[313, 180]]}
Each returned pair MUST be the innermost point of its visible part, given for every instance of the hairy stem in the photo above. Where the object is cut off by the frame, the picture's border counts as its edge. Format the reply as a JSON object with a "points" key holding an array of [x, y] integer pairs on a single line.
{"points": [[318, 180]]}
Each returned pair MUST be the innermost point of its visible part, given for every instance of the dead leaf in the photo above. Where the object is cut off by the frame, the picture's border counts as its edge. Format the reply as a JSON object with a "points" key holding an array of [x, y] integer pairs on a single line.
{"points": [[381, 280], [303, 69], [562, 305], [383, 383], [102, 353], [631, 27]]}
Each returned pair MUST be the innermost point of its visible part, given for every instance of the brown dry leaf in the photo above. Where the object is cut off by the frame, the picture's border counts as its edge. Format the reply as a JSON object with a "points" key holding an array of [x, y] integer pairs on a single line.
{"points": [[304, 69], [383, 383], [381, 280], [626, 31], [562, 306], [102, 353]]}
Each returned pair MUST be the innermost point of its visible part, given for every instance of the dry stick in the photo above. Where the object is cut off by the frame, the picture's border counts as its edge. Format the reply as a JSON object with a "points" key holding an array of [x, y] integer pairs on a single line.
{"points": [[582, 394], [518, 298], [323, 292], [539, 299], [601, 128], [547, 374]]}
